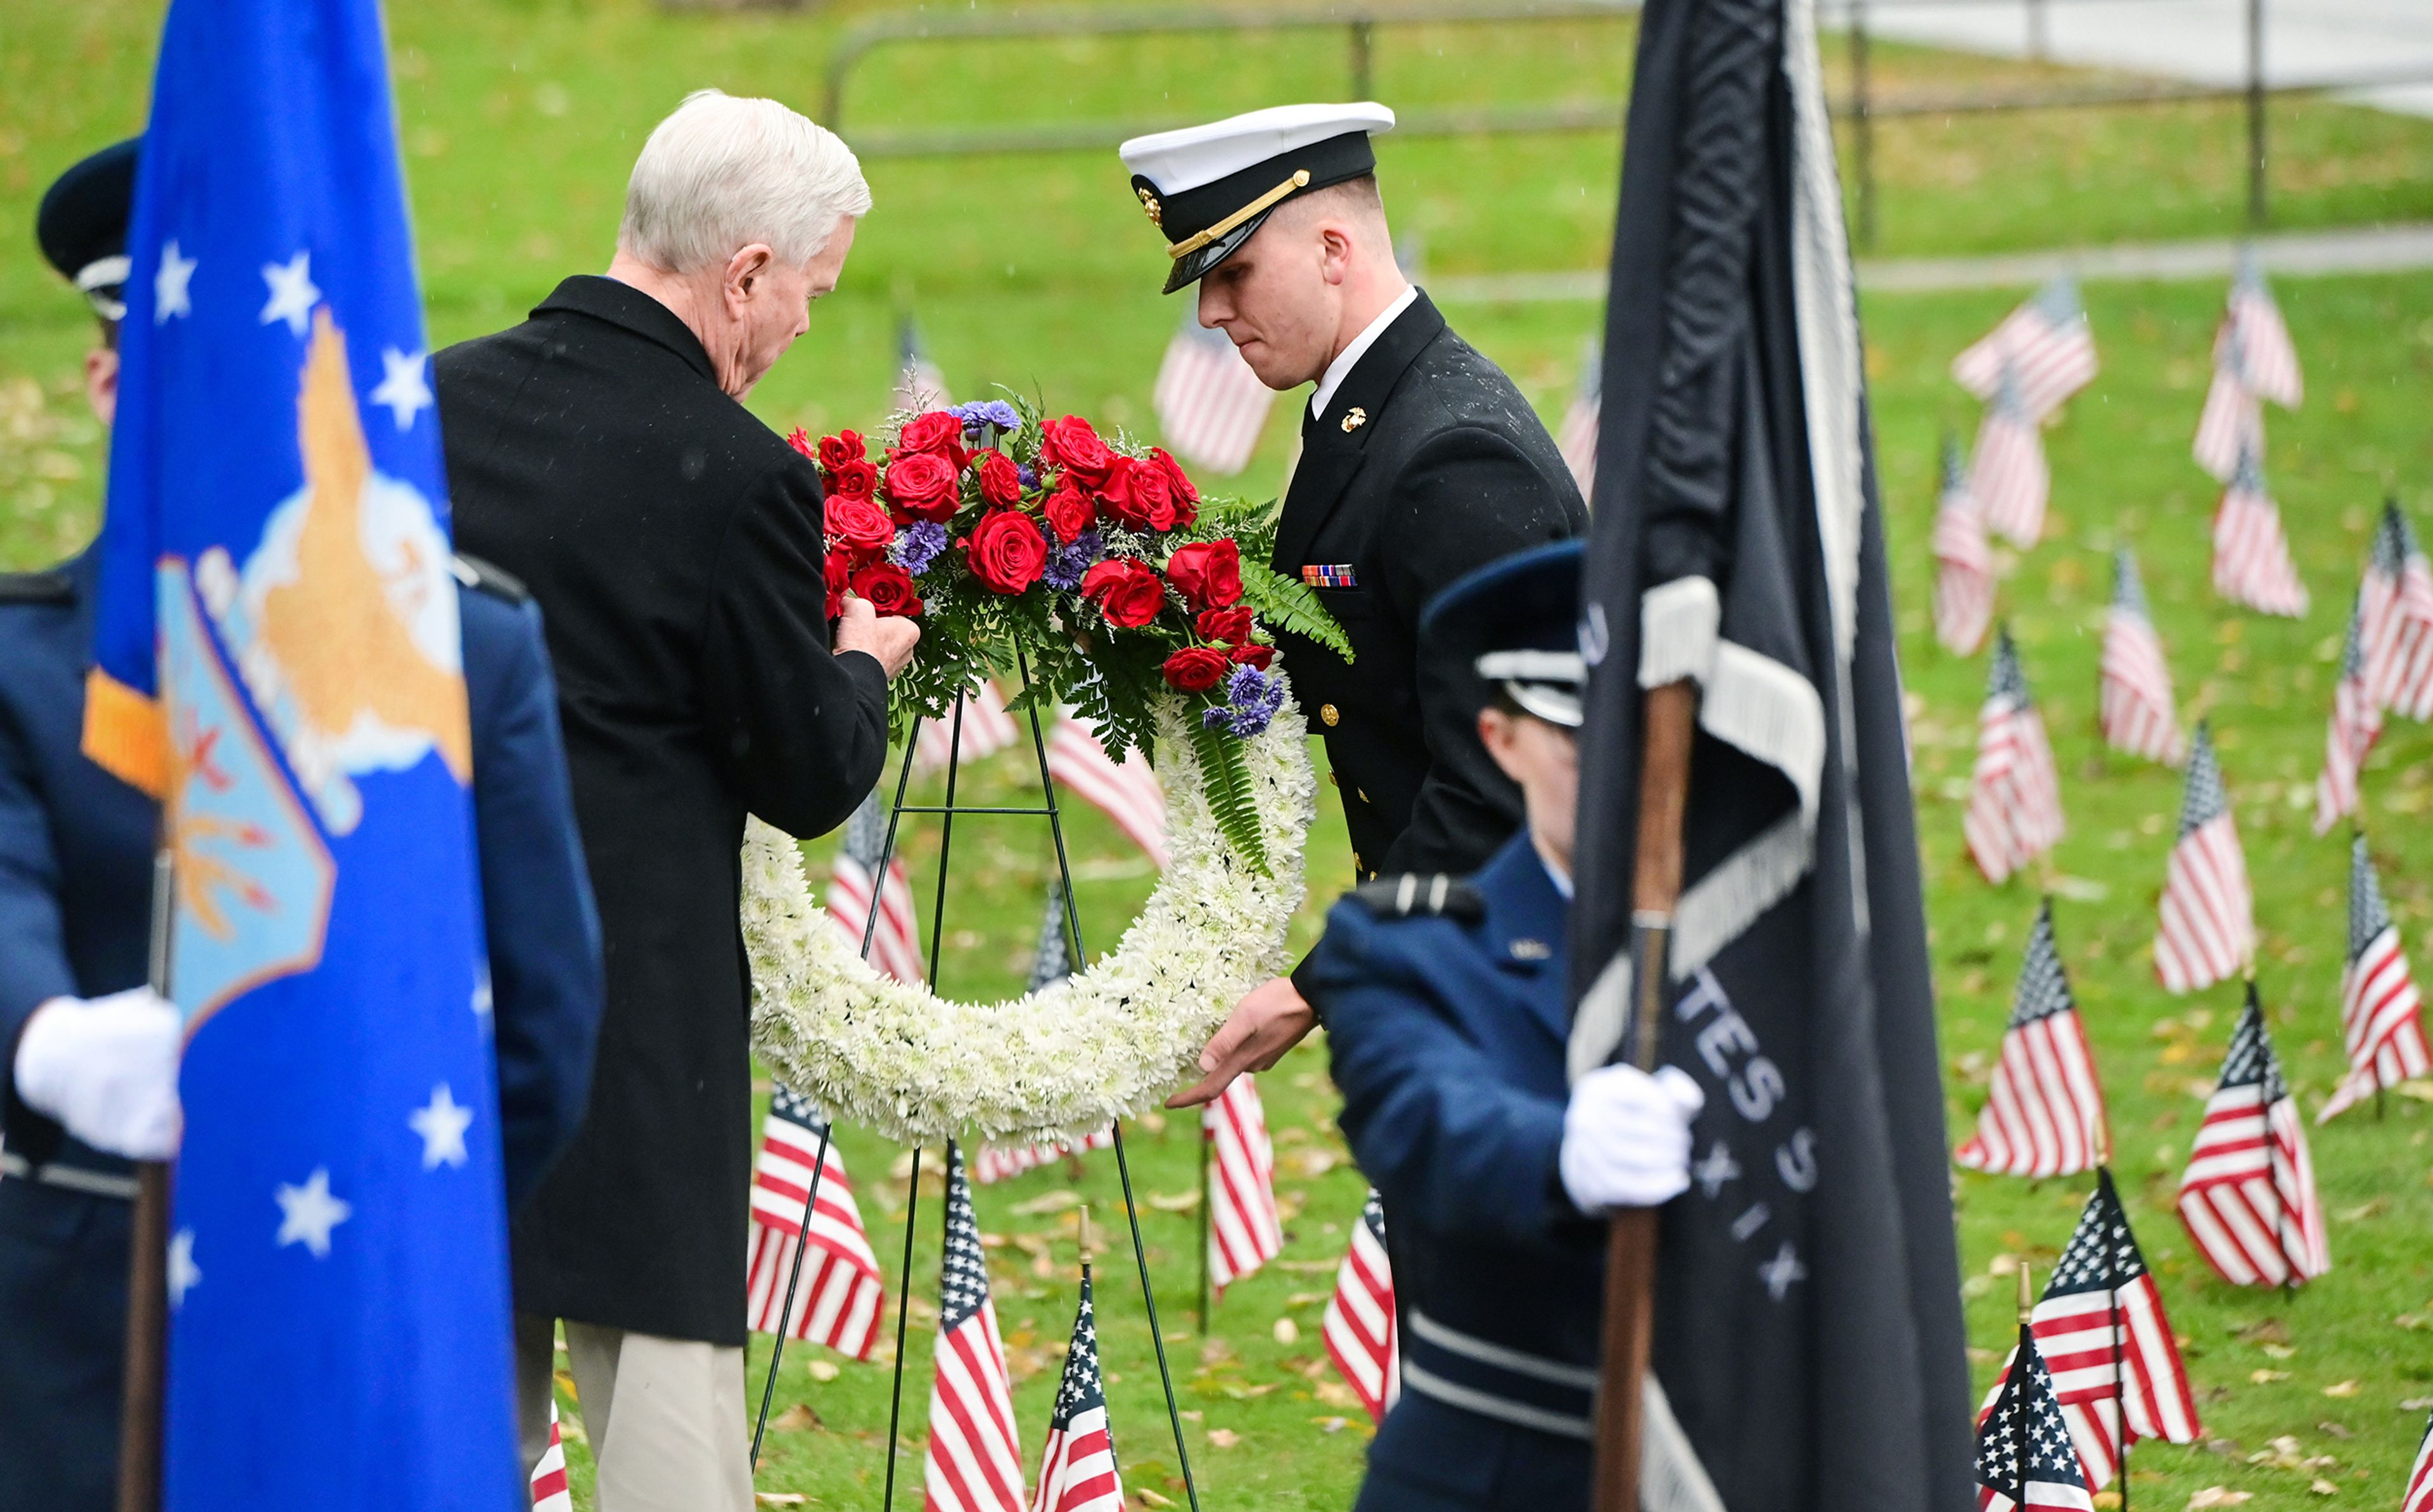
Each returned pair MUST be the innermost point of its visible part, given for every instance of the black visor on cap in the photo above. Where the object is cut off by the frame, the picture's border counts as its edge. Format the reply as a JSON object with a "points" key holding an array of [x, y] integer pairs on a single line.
{"points": [[83, 215], [1185, 215]]}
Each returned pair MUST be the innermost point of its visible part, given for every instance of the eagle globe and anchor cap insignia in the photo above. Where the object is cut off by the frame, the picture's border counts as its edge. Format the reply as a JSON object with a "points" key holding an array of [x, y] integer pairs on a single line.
{"points": [[342, 629]]}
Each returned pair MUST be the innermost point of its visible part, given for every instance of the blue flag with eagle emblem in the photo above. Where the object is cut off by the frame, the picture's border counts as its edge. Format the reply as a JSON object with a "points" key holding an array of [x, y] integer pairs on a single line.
{"points": [[278, 660]]}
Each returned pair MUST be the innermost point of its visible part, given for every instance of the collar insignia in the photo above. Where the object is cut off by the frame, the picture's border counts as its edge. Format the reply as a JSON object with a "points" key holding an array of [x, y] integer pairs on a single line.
{"points": [[1354, 418], [1526, 948]]}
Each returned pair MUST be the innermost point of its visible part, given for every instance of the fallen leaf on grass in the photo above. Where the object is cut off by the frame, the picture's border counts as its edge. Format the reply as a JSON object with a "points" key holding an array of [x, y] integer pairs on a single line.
{"points": [[2416, 1403], [2265, 1378], [2323, 1487], [1288, 1331], [2278, 1351], [2421, 1089], [1336, 1394], [2341, 1389], [2363, 1211], [1330, 1425], [2217, 1496], [780, 1497], [1223, 1438], [1046, 1202], [1150, 1497], [2106, 1501], [796, 1418], [2334, 1428], [823, 1370], [2270, 1330], [1174, 1201]]}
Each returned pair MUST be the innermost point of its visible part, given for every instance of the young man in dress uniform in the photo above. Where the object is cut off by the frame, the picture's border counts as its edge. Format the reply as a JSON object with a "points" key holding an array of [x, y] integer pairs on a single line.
{"points": [[1447, 1012], [1419, 460], [89, 1053]]}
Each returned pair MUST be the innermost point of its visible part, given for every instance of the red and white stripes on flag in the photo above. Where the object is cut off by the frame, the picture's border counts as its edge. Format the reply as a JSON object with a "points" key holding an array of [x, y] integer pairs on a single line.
{"points": [[550, 1493], [2380, 1021], [2044, 1112], [2251, 564], [2025, 1459], [1211, 406], [2398, 618], [838, 1298], [2420, 1477], [2355, 725], [2252, 360], [1578, 437], [895, 943], [975, 1462], [1964, 563], [2231, 425], [2137, 711], [2007, 475], [1362, 1336], [2014, 792], [2046, 343], [2102, 1332], [919, 384], [2209, 913], [1243, 1231], [2248, 1199], [1126, 791], [1077, 1470], [986, 729], [1051, 962]]}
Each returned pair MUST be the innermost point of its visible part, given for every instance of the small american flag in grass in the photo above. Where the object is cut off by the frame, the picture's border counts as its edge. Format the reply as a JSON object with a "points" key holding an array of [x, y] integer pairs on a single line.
{"points": [[2137, 711], [1243, 1231], [2252, 360], [2007, 475], [1052, 963], [839, 1296], [974, 1463], [986, 728], [2420, 1477], [2398, 618], [895, 945], [550, 1493], [2209, 910], [2047, 346], [2379, 1019], [2044, 1114], [1360, 1327], [1964, 563], [2025, 1458], [1077, 1470], [1126, 791], [2251, 564], [2248, 1197], [2355, 725], [2107, 1343], [2014, 792], [1211, 407]]}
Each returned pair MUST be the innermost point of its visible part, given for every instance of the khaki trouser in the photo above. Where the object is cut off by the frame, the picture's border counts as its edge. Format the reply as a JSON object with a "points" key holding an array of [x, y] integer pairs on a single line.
{"points": [[665, 1416]]}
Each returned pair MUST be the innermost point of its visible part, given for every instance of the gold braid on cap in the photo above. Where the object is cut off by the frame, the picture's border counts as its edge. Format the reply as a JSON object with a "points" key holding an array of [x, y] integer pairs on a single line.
{"points": [[1194, 243]]}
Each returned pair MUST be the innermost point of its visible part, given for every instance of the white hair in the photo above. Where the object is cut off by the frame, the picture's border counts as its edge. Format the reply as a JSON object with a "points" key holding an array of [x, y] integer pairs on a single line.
{"points": [[722, 173]]}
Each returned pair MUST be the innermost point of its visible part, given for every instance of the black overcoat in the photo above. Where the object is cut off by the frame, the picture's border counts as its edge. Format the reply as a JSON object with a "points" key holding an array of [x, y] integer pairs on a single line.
{"points": [[674, 544], [1426, 462]]}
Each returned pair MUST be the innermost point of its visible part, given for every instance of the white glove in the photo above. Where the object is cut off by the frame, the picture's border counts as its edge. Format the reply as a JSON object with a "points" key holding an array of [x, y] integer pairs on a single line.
{"points": [[1627, 1138], [107, 1069]]}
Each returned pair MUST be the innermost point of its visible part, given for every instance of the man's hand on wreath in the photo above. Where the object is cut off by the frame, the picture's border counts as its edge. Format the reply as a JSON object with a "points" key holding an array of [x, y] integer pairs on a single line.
{"points": [[888, 641], [1270, 1019]]}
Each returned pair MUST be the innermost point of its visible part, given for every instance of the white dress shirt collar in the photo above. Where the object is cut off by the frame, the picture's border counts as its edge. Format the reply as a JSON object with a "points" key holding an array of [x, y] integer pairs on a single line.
{"points": [[1349, 357], [1562, 878]]}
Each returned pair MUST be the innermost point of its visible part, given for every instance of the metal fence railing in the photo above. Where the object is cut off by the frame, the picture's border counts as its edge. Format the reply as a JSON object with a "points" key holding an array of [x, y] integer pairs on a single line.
{"points": [[1861, 108]]}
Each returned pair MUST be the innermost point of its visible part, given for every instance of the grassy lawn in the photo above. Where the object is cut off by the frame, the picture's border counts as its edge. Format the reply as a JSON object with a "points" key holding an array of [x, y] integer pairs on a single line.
{"points": [[520, 118]]}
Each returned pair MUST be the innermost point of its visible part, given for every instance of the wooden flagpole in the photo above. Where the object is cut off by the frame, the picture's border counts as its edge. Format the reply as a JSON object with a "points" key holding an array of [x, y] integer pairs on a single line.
{"points": [[1670, 717]]}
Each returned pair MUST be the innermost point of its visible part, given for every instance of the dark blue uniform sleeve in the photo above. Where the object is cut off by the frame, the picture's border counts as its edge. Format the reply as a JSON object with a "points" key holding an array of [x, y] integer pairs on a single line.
{"points": [[1451, 1145], [537, 907], [33, 952]]}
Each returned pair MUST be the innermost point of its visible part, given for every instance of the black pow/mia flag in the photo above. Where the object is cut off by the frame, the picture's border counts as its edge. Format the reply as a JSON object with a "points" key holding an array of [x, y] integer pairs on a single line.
{"points": [[1809, 1337]]}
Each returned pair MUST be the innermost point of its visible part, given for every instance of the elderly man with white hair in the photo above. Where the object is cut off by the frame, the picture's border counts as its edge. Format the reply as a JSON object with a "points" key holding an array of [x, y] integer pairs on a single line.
{"points": [[600, 453]]}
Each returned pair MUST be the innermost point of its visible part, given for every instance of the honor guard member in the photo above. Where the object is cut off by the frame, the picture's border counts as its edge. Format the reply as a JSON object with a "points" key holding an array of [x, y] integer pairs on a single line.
{"points": [[1447, 1012], [89, 1054], [1419, 460]]}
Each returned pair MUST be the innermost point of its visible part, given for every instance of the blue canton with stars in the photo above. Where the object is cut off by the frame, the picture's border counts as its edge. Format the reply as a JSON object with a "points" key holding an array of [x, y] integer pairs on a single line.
{"points": [[2251, 1061], [2044, 988], [2102, 1254], [963, 1288], [273, 565], [2024, 1439], [2207, 799], [1083, 1386]]}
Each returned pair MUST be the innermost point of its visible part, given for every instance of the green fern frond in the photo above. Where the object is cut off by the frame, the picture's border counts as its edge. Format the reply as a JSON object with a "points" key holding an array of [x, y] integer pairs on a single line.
{"points": [[1285, 604]]}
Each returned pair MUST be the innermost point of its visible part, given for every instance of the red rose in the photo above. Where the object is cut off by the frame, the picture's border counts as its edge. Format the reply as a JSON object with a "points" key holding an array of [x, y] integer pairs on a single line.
{"points": [[801, 441], [856, 522], [924, 485], [889, 588], [1139, 495], [1000, 480], [1232, 626], [939, 433], [1186, 497], [1069, 512], [1008, 552], [1070, 443], [839, 449], [1254, 655], [1195, 669], [839, 576], [857, 476], [1129, 594], [1209, 573]]}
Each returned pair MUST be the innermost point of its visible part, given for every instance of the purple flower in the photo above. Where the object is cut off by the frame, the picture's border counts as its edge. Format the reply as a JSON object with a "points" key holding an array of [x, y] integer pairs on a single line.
{"points": [[1252, 699], [1066, 564], [1030, 478], [992, 414], [917, 545]]}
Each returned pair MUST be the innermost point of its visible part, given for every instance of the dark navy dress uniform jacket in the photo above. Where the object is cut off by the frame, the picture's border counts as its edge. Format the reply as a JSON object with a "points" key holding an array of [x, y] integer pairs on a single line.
{"points": [[75, 867], [1447, 1035]]}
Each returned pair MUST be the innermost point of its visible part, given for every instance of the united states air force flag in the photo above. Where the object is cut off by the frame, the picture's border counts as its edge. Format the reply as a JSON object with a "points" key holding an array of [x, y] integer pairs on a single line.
{"points": [[278, 659]]}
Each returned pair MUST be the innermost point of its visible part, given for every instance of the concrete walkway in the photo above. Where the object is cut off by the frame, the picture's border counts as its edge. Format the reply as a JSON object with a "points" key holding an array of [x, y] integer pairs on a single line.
{"points": [[2286, 254], [2199, 40]]}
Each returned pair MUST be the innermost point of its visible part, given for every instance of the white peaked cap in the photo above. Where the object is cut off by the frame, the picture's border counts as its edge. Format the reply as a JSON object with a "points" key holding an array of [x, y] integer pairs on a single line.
{"points": [[1196, 155]]}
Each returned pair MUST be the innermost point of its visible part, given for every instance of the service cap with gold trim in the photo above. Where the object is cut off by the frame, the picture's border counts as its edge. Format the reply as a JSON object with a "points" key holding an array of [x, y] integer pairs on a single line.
{"points": [[1209, 187]]}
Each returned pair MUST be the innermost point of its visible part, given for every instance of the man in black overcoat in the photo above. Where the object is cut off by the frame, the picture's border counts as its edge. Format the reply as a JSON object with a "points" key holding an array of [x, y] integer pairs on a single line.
{"points": [[1420, 461], [599, 453]]}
